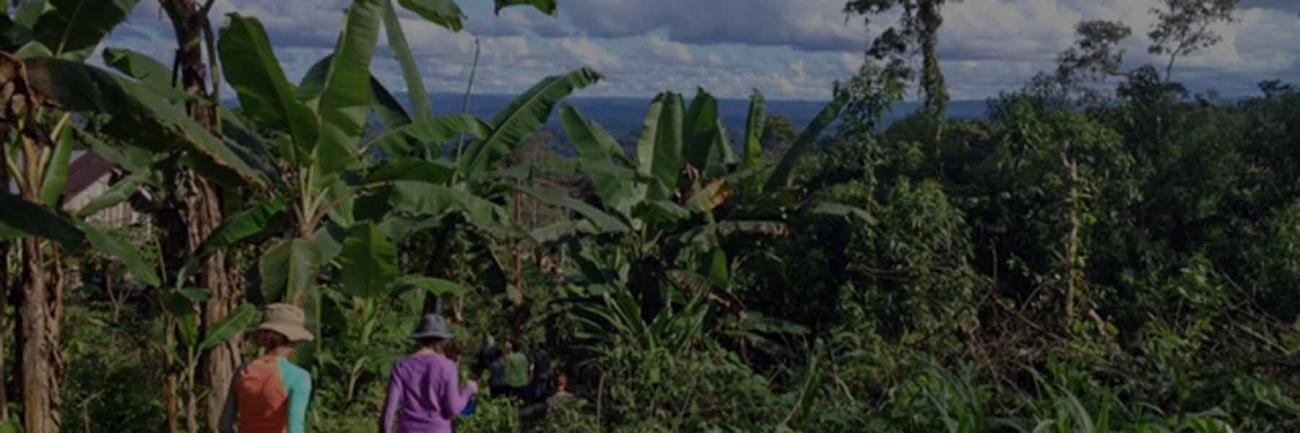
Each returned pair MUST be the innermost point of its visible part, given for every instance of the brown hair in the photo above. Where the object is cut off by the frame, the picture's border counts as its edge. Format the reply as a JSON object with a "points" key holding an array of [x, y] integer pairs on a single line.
{"points": [[438, 344], [268, 339]]}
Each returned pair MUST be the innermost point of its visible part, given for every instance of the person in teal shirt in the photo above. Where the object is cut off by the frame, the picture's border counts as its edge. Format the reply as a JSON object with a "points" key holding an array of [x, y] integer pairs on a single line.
{"points": [[269, 394]]}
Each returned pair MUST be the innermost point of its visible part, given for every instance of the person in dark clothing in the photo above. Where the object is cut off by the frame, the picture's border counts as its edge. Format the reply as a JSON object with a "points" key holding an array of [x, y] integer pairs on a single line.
{"points": [[486, 356], [540, 388], [497, 384]]}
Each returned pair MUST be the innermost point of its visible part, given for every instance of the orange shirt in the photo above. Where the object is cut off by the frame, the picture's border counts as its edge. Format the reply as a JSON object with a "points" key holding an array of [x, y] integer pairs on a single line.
{"points": [[270, 395]]}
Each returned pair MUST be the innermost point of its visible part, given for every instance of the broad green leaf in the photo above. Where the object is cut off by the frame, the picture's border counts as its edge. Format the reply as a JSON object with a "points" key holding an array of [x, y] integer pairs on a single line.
{"points": [[545, 6], [700, 133], [347, 97], [189, 329], [600, 219], [131, 158], [420, 104], [75, 27], [117, 193], [616, 186], [145, 70], [235, 323], [426, 199], [388, 108], [13, 35], [561, 230], [660, 147], [195, 294], [368, 261], [178, 304], [138, 66], [441, 12], [591, 140], [30, 12], [425, 138], [139, 116], [56, 171], [252, 223], [718, 268], [265, 95], [782, 175], [329, 241], [34, 50], [841, 210], [754, 131], [22, 218], [437, 172], [430, 285], [522, 117], [142, 269], [289, 269]]}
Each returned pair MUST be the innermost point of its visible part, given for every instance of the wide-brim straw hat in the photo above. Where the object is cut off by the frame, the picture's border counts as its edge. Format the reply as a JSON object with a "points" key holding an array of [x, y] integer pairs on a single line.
{"points": [[287, 320], [432, 326]]}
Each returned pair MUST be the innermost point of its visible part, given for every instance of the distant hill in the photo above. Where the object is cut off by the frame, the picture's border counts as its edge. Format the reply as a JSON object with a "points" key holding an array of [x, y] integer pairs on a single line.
{"points": [[624, 115]]}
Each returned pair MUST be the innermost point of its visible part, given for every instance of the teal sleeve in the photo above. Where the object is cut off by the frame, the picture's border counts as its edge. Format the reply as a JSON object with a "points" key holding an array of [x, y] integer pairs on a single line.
{"points": [[298, 383]]}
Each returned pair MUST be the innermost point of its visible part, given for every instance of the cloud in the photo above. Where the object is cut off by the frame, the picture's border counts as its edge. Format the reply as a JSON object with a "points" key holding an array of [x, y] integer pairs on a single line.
{"points": [[663, 49], [590, 54], [789, 49]]}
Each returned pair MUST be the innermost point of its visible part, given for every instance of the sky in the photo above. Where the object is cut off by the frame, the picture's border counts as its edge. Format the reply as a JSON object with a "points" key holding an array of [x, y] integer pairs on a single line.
{"points": [[787, 49]]}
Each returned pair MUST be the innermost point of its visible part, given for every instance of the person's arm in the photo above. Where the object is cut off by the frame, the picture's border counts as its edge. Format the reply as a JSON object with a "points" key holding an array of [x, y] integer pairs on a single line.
{"points": [[299, 395], [390, 406], [452, 398]]}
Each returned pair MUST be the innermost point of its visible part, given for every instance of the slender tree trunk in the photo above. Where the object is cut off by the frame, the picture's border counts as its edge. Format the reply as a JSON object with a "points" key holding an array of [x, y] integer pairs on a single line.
{"points": [[4, 324], [521, 309], [171, 392], [42, 311], [1074, 262], [932, 80], [202, 208]]}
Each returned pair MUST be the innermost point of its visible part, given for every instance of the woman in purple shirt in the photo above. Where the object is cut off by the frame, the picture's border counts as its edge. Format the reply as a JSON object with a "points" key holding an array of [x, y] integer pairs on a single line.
{"points": [[425, 387]]}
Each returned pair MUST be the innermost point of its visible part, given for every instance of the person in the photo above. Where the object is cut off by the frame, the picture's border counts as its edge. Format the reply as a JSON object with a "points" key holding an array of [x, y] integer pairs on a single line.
{"points": [[517, 372], [486, 356], [497, 370], [425, 387], [540, 387], [562, 394], [269, 394]]}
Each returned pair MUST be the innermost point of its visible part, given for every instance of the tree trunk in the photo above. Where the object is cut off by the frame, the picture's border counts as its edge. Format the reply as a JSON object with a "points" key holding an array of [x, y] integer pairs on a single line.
{"points": [[42, 311], [202, 208], [932, 80], [4, 325]]}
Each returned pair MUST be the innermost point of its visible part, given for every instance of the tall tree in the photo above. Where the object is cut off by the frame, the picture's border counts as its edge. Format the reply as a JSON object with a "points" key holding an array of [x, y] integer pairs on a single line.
{"points": [[1183, 28], [1096, 55], [200, 209], [917, 28]]}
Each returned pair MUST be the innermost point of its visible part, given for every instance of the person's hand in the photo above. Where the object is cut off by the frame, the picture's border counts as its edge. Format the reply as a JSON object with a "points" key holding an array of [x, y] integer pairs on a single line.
{"points": [[472, 386]]}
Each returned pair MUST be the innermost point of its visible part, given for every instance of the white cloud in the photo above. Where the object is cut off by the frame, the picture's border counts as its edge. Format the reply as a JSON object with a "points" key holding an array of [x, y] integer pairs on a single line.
{"points": [[789, 49], [590, 54], [666, 50]]}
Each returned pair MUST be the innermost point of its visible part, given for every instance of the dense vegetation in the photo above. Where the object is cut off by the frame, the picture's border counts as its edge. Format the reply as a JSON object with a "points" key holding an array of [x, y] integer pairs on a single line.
{"points": [[1105, 252]]}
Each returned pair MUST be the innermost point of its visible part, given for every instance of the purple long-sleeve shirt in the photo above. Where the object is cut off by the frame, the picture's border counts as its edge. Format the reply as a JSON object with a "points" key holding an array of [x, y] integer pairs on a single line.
{"points": [[426, 390]]}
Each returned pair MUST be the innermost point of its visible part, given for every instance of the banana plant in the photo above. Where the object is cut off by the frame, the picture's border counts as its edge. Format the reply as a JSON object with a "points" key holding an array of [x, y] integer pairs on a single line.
{"points": [[672, 211], [338, 200]]}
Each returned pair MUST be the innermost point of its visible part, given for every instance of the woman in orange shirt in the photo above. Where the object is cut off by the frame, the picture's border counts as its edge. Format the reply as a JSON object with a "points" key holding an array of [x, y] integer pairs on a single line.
{"points": [[270, 394]]}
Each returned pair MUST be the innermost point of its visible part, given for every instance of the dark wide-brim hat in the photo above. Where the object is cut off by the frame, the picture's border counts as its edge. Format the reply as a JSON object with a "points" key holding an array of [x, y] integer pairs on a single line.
{"points": [[432, 326]]}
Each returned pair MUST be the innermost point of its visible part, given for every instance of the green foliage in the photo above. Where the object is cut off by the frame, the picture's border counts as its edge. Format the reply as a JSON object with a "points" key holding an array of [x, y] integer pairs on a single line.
{"points": [[73, 28]]}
